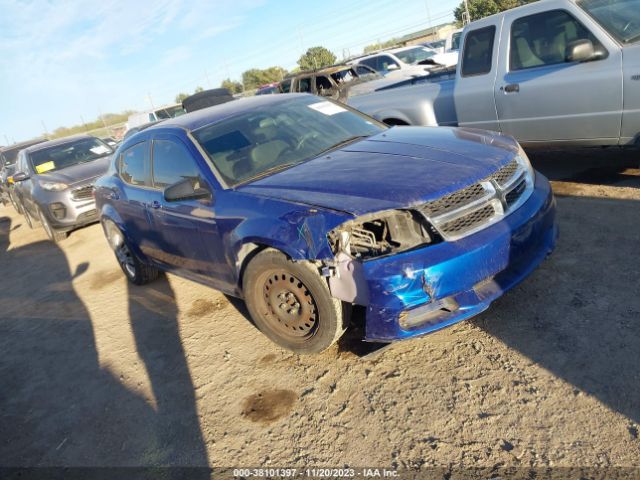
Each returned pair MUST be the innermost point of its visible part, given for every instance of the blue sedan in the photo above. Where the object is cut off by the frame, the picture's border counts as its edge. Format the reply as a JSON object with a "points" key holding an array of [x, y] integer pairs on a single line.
{"points": [[304, 208]]}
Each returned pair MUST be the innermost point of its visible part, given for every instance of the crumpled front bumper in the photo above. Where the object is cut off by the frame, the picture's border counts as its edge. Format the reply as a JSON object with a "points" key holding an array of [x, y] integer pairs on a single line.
{"points": [[424, 290]]}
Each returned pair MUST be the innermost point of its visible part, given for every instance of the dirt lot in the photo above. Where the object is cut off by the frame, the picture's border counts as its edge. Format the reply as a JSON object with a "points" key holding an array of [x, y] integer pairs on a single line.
{"points": [[94, 372]]}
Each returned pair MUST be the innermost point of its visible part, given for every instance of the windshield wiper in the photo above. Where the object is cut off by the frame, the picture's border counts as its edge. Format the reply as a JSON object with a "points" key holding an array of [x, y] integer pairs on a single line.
{"points": [[269, 171], [632, 39], [344, 142]]}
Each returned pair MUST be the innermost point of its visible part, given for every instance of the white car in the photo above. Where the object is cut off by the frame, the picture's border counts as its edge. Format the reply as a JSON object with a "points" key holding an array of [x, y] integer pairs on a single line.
{"points": [[162, 113], [409, 61]]}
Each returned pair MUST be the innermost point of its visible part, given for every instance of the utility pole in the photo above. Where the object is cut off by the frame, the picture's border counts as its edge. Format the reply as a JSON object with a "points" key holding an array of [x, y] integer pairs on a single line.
{"points": [[84, 124], [426, 7], [150, 100], [466, 20], [6, 139], [206, 74], [46, 133]]}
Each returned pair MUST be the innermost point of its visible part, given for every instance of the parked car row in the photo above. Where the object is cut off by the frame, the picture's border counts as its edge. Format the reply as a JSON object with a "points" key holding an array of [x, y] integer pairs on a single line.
{"points": [[309, 209], [558, 72]]}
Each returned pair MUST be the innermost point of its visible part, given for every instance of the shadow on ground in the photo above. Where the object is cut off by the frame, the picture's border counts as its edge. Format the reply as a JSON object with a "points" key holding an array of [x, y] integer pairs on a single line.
{"points": [[58, 405]]}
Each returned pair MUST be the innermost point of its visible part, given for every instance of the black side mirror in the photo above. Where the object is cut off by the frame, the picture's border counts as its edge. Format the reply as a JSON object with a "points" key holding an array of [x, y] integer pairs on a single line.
{"points": [[581, 51], [20, 177], [185, 190]]}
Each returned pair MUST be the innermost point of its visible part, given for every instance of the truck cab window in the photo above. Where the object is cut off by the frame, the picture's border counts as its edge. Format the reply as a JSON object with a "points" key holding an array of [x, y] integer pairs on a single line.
{"points": [[478, 51], [542, 39]]}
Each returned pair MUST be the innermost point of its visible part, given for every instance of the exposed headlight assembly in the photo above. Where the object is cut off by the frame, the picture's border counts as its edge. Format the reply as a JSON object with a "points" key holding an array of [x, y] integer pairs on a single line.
{"points": [[53, 186], [381, 233]]}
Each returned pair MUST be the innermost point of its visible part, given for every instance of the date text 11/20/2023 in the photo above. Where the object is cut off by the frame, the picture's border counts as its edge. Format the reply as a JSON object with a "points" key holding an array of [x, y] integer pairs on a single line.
{"points": [[314, 472]]}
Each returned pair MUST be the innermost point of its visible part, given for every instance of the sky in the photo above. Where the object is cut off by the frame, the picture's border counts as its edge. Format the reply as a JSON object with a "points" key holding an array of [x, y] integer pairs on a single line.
{"points": [[65, 61]]}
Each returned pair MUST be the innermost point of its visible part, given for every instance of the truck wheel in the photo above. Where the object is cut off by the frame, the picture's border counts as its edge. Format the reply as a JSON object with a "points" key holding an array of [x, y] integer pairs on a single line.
{"points": [[53, 234], [136, 272], [291, 304]]}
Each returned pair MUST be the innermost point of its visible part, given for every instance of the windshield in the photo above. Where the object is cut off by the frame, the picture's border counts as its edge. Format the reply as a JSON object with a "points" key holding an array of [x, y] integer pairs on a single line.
{"points": [[9, 157], [455, 41], [621, 18], [278, 135], [415, 55], [68, 154], [169, 112]]}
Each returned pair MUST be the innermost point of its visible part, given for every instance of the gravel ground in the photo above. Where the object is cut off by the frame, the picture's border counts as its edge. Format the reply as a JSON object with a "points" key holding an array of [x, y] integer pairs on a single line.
{"points": [[94, 372]]}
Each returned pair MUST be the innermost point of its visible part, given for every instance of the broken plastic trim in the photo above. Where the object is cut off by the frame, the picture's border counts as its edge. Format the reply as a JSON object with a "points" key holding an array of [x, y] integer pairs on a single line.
{"points": [[382, 233], [432, 312]]}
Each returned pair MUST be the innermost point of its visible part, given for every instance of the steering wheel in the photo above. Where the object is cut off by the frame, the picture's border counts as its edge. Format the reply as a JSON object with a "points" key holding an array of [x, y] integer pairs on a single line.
{"points": [[304, 138]]}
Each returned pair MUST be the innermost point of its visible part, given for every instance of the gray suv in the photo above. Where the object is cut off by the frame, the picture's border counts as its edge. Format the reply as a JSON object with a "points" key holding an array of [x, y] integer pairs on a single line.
{"points": [[54, 182]]}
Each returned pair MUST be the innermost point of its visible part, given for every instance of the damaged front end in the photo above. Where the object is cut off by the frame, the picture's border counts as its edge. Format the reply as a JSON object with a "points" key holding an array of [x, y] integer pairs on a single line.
{"points": [[419, 269]]}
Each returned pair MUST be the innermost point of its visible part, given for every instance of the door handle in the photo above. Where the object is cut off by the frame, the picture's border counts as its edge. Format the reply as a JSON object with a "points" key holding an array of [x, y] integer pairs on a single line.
{"points": [[511, 88], [154, 204]]}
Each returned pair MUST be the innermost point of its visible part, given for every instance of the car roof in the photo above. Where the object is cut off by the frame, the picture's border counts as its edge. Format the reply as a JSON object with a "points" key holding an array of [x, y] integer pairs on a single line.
{"points": [[58, 141], [206, 116], [21, 145]]}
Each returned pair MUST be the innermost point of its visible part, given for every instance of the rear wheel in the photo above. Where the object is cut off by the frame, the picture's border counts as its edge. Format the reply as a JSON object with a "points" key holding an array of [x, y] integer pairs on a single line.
{"points": [[136, 272], [53, 234], [291, 304]]}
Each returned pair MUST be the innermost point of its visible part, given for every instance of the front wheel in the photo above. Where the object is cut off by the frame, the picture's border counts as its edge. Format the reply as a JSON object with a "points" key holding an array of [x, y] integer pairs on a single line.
{"points": [[15, 203], [136, 272], [291, 304], [53, 234]]}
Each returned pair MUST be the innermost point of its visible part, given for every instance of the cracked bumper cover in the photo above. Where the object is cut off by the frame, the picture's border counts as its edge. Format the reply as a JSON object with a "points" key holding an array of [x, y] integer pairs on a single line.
{"points": [[439, 285]]}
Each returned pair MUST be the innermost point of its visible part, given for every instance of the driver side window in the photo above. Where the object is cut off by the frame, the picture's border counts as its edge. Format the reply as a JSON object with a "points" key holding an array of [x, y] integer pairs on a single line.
{"points": [[542, 39], [172, 163]]}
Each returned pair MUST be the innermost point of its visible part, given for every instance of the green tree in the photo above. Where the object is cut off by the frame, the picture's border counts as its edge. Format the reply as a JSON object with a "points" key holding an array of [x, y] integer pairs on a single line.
{"points": [[181, 96], [483, 8], [232, 85], [198, 90], [316, 57], [380, 45], [255, 77]]}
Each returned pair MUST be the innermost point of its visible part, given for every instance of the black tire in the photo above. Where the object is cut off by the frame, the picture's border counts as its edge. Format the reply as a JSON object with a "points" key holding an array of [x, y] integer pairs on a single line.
{"points": [[53, 234], [136, 272], [291, 304], [15, 203], [27, 217]]}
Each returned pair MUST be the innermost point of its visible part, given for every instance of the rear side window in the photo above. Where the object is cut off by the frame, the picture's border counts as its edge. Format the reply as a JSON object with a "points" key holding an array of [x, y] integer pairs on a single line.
{"points": [[172, 163], [134, 165], [542, 39], [304, 85], [384, 61], [477, 55]]}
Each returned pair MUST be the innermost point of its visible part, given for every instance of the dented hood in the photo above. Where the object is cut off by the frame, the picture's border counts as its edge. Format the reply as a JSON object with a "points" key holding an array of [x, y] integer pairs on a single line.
{"points": [[398, 168]]}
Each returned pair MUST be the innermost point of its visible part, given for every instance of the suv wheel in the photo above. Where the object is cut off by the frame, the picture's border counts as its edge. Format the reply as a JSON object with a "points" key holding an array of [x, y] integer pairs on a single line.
{"points": [[291, 304], [53, 234], [15, 203], [27, 217], [136, 272]]}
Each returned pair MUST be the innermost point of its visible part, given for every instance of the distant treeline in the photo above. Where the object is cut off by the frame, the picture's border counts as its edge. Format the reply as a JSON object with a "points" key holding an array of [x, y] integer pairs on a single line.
{"points": [[108, 119]]}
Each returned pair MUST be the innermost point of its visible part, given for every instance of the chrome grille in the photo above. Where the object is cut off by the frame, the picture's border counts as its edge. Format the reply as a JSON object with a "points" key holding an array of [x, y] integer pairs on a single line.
{"points": [[454, 200], [479, 205], [502, 176], [514, 195], [82, 193]]}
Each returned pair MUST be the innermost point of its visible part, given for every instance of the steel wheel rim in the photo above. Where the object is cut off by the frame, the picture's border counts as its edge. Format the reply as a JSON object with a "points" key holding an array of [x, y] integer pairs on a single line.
{"points": [[290, 307]]}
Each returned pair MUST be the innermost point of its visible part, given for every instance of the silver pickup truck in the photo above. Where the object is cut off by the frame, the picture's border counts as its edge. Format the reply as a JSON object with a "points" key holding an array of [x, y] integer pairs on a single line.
{"points": [[553, 72]]}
